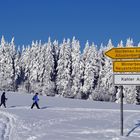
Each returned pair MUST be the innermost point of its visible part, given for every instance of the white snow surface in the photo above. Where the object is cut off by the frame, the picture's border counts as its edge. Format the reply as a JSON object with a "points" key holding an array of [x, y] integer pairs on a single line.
{"points": [[66, 119]]}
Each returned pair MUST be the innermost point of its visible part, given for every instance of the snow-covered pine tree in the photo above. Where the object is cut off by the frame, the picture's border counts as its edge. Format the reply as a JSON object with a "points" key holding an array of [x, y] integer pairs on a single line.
{"points": [[55, 53], [33, 66], [36, 66], [97, 94], [76, 69], [129, 90], [29, 63], [48, 70], [84, 60], [120, 45], [24, 83], [129, 94], [106, 86], [7, 65], [15, 56], [18, 68], [129, 42], [91, 70], [64, 70]]}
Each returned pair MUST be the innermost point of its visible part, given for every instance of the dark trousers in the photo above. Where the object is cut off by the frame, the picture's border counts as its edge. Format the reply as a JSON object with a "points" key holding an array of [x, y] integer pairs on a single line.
{"points": [[3, 103], [35, 103]]}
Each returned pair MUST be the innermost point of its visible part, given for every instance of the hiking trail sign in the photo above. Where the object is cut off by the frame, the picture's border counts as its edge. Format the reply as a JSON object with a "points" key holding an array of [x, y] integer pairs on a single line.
{"points": [[126, 79], [124, 53], [126, 66], [131, 65]]}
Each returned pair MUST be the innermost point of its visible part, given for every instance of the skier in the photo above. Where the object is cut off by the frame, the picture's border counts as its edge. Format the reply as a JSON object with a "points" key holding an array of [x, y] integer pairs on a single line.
{"points": [[35, 101], [3, 99]]}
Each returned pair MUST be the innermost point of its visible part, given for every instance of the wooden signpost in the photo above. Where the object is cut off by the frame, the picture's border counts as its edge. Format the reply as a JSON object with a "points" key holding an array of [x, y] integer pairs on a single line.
{"points": [[120, 66]]}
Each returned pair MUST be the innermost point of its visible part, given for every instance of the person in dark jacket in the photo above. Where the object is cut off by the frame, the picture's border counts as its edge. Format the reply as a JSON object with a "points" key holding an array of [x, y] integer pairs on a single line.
{"points": [[3, 100], [35, 101]]}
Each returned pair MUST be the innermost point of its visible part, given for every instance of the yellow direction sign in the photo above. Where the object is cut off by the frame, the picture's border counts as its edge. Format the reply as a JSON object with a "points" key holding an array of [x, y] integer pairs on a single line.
{"points": [[126, 66], [124, 53]]}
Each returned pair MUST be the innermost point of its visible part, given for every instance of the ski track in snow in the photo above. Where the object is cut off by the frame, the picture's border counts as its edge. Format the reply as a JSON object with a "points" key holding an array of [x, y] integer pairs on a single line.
{"points": [[90, 109], [7, 122], [91, 114], [76, 109]]}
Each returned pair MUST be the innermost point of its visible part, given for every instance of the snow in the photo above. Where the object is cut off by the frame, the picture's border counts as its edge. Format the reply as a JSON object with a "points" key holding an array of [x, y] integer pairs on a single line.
{"points": [[65, 119]]}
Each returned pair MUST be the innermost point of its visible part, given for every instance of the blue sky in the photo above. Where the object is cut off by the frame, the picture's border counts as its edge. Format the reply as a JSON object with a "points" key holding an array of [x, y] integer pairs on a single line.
{"points": [[93, 20]]}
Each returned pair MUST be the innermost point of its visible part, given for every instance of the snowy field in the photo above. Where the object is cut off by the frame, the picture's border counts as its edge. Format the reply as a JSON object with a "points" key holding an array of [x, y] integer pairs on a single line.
{"points": [[66, 119]]}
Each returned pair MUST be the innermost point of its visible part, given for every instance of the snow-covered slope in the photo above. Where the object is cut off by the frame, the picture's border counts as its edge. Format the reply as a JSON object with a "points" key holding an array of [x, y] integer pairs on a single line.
{"points": [[66, 119]]}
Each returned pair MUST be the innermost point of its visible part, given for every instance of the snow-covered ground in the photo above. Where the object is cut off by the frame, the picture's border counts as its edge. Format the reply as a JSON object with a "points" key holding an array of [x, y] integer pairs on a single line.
{"points": [[66, 119]]}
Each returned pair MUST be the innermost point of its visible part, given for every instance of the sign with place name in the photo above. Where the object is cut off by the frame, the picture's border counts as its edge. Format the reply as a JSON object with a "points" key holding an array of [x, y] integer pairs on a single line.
{"points": [[126, 79], [124, 53], [126, 66]]}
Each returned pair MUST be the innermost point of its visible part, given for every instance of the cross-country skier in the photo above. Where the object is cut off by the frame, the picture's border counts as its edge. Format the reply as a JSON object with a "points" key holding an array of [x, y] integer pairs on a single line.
{"points": [[35, 101], [3, 99]]}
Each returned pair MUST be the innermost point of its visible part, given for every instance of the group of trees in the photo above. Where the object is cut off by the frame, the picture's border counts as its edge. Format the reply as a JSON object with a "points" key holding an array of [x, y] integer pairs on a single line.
{"points": [[61, 69]]}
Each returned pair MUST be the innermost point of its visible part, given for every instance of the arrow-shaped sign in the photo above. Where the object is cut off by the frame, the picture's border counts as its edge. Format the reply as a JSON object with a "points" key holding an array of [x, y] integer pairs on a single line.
{"points": [[126, 66], [124, 53]]}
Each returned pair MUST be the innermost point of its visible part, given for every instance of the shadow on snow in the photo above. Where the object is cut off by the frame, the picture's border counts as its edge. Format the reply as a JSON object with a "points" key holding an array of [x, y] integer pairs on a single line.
{"points": [[136, 126]]}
